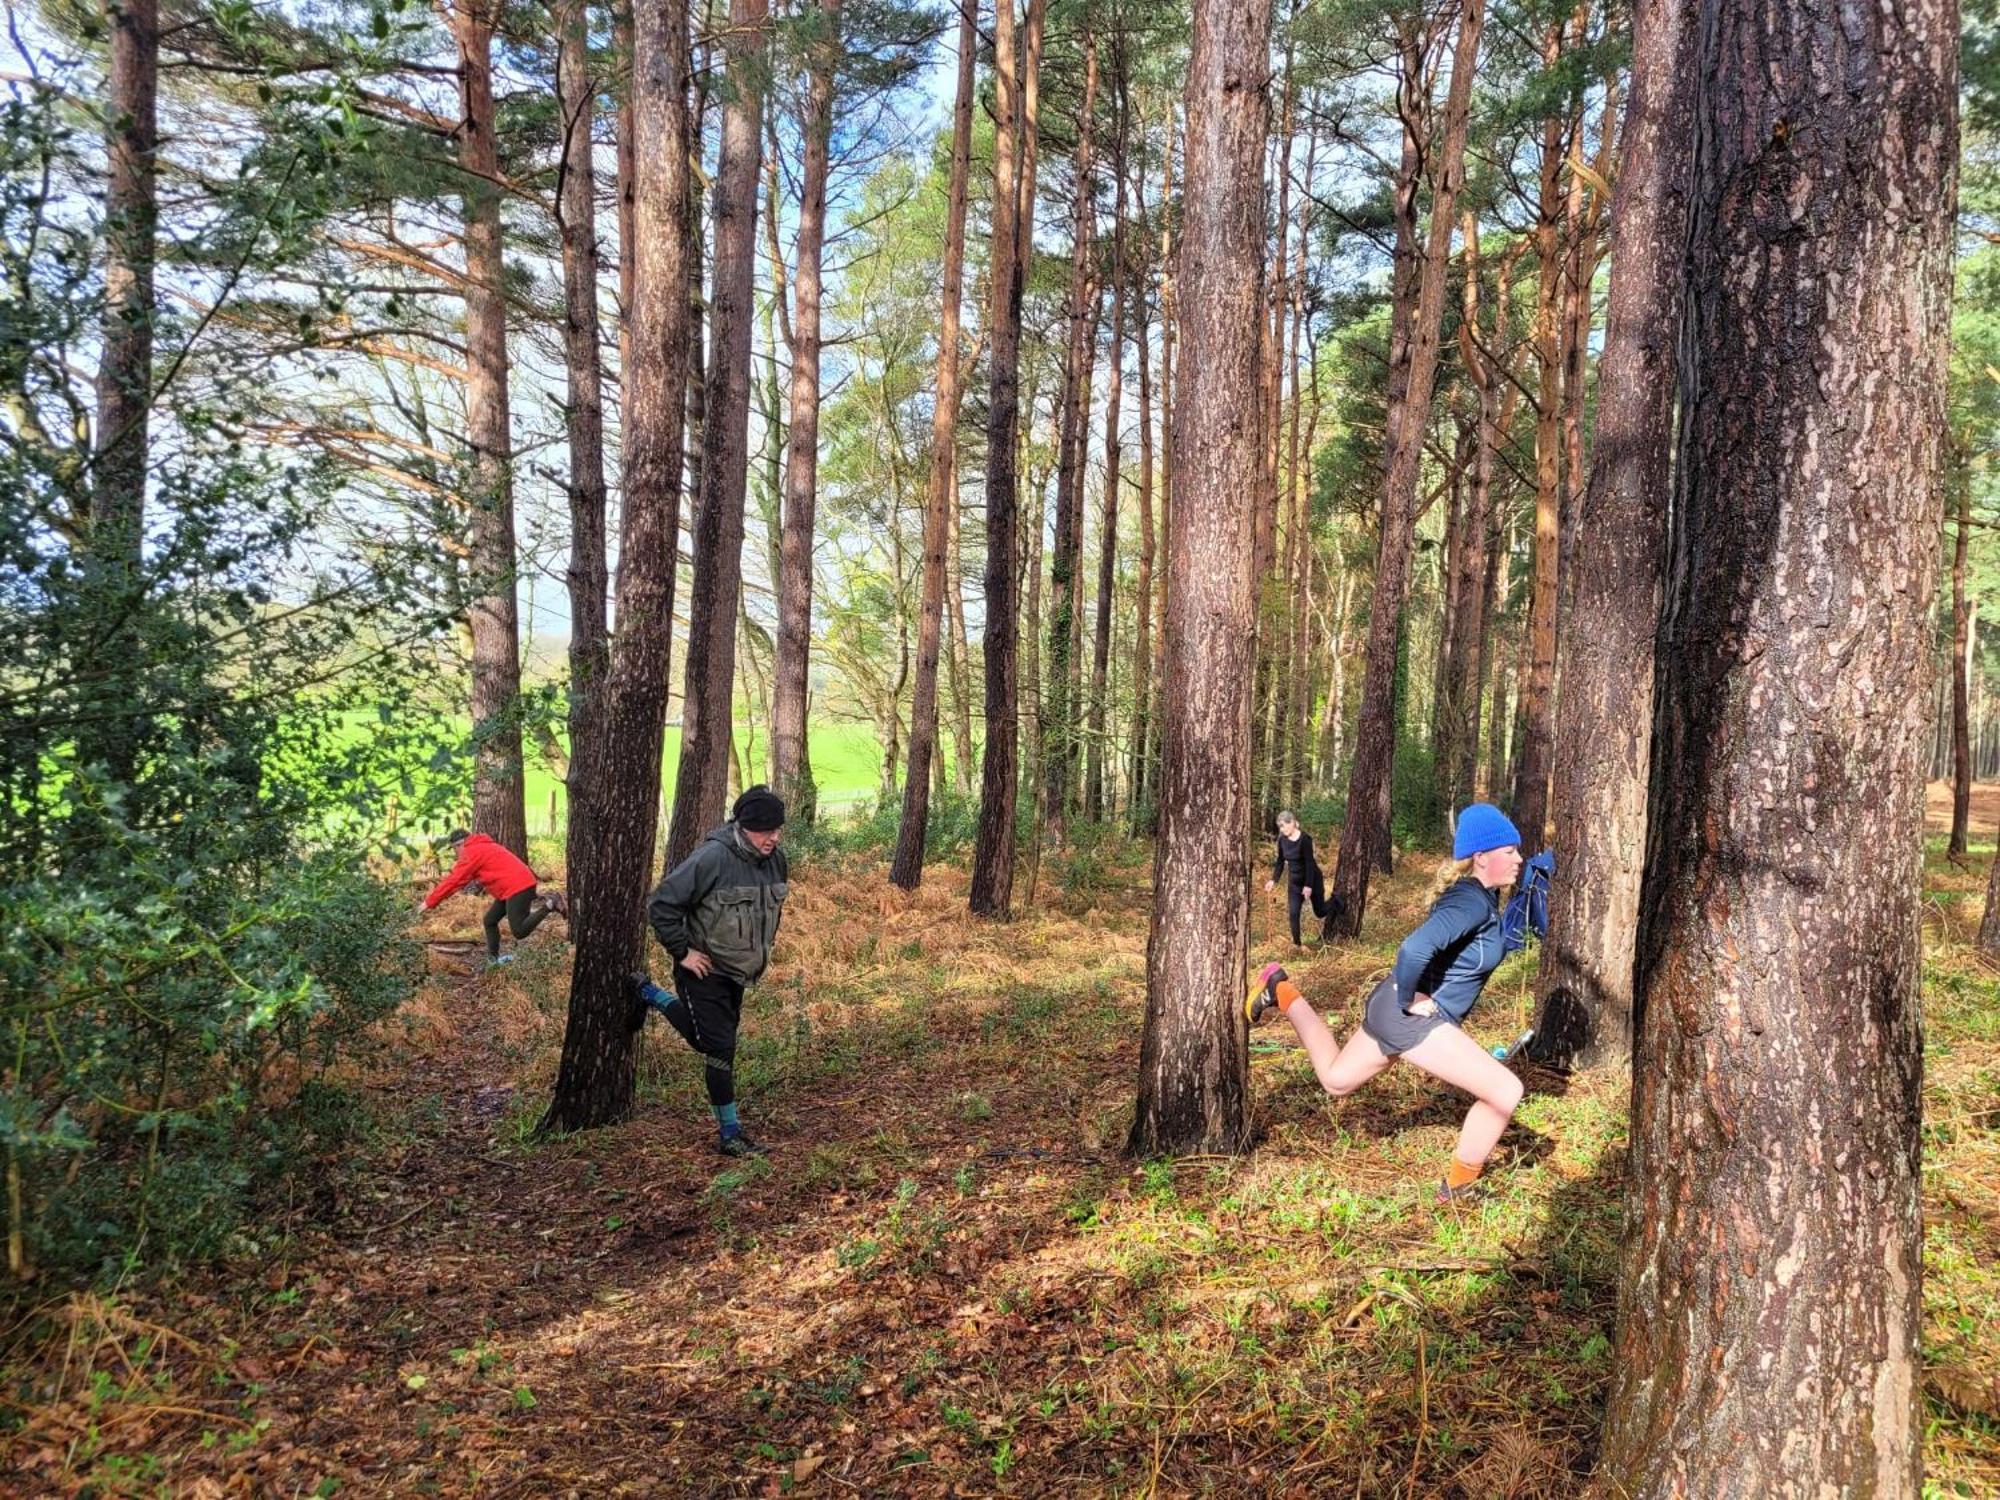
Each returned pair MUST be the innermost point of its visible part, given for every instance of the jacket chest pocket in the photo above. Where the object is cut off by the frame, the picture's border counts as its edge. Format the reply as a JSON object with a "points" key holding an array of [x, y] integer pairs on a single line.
{"points": [[736, 915]]}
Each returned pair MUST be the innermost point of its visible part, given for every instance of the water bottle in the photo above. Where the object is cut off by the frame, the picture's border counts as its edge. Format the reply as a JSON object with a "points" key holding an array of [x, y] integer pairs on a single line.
{"points": [[1507, 1050]]}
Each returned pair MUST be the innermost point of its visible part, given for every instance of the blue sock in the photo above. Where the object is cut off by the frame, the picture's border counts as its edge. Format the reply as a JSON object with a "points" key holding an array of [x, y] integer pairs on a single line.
{"points": [[726, 1121], [654, 995]]}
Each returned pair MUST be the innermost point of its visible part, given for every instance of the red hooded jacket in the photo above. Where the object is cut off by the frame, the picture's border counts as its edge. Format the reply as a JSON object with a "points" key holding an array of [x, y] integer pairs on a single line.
{"points": [[480, 859]]}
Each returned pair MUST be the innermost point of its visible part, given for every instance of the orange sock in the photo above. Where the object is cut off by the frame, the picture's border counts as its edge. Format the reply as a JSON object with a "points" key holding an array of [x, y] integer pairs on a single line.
{"points": [[1458, 1174], [1284, 992]]}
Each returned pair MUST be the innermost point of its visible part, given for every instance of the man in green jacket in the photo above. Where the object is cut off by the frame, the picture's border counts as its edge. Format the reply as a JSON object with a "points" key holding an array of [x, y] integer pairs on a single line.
{"points": [[717, 913]]}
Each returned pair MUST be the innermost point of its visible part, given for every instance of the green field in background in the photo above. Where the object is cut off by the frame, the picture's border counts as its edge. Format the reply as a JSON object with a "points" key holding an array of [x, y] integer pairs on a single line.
{"points": [[846, 761]]}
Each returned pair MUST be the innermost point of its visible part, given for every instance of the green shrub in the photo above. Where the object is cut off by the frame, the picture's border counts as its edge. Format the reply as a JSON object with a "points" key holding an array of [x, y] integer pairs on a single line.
{"points": [[189, 935]]}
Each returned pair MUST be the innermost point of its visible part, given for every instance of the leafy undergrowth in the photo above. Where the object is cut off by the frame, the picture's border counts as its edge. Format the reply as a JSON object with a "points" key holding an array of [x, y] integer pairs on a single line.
{"points": [[947, 1279]]}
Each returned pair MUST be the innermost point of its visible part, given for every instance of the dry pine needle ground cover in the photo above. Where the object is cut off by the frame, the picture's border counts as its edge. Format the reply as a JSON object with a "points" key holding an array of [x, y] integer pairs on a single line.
{"points": [[947, 1280]]}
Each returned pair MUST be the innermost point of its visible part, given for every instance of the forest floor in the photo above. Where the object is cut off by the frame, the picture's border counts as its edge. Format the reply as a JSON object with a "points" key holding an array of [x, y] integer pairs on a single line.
{"points": [[947, 1279]]}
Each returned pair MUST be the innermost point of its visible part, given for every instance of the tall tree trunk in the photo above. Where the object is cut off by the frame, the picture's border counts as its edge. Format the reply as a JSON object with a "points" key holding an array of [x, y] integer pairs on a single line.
{"points": [[1034, 515], [1961, 716], [1287, 742], [1458, 693], [1299, 728], [1770, 1306], [615, 771], [907, 868], [576, 208], [628, 167], [1499, 713], [1270, 409], [1168, 329], [125, 358], [1364, 835], [1193, 1066], [795, 578], [992, 888], [1060, 709], [705, 28], [121, 448], [1531, 775], [1142, 615], [961, 665], [1605, 712], [1107, 554], [702, 788], [498, 806]]}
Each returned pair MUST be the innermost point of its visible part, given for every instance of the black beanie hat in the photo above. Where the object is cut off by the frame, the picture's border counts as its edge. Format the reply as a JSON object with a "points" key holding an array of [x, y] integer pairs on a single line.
{"points": [[760, 810]]}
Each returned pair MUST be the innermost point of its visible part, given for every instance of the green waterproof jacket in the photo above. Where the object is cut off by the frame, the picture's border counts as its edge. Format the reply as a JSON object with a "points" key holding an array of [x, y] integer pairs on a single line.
{"points": [[723, 900]]}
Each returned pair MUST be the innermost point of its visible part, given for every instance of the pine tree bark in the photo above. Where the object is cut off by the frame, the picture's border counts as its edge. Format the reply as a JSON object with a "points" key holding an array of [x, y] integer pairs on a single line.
{"points": [[992, 888], [628, 167], [701, 789], [906, 869], [1142, 582], [795, 567], [1961, 713], [1107, 544], [1060, 709], [1769, 1338], [1364, 834], [125, 360], [1605, 713], [1458, 692], [1537, 687], [1193, 1063], [615, 770], [499, 809], [576, 207], [961, 664], [1169, 325], [121, 449]]}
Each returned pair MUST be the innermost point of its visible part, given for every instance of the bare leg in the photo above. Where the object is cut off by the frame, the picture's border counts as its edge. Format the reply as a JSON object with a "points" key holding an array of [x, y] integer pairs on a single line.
{"points": [[1341, 1070], [1450, 1054]]}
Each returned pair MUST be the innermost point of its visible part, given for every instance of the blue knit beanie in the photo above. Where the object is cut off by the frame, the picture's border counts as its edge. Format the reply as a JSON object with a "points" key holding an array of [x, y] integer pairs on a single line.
{"points": [[1483, 826]]}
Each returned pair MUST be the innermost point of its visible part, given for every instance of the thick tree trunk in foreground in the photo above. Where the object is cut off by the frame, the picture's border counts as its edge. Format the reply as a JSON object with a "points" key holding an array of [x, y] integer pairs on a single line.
{"points": [[1364, 836], [131, 216], [907, 868], [1605, 714], [615, 772], [498, 806], [576, 201], [795, 566], [1961, 713], [992, 889], [701, 790], [1193, 1065], [1769, 1307]]}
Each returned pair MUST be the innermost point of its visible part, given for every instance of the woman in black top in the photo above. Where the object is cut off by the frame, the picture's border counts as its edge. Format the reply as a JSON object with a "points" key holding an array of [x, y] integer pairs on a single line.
{"points": [[1297, 863]]}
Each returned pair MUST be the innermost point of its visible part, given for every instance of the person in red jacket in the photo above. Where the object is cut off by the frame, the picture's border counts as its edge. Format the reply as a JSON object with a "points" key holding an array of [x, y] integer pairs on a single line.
{"points": [[487, 866]]}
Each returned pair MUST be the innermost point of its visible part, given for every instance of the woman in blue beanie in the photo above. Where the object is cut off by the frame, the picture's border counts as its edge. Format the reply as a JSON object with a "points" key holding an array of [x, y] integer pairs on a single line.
{"points": [[1437, 977]]}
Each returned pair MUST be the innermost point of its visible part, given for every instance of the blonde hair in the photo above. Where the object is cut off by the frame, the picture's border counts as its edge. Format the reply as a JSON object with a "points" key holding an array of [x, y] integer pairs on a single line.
{"points": [[1449, 874]]}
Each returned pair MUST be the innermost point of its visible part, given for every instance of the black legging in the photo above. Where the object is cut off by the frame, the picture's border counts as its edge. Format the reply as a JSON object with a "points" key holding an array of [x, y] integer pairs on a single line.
{"points": [[521, 916], [1295, 900]]}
